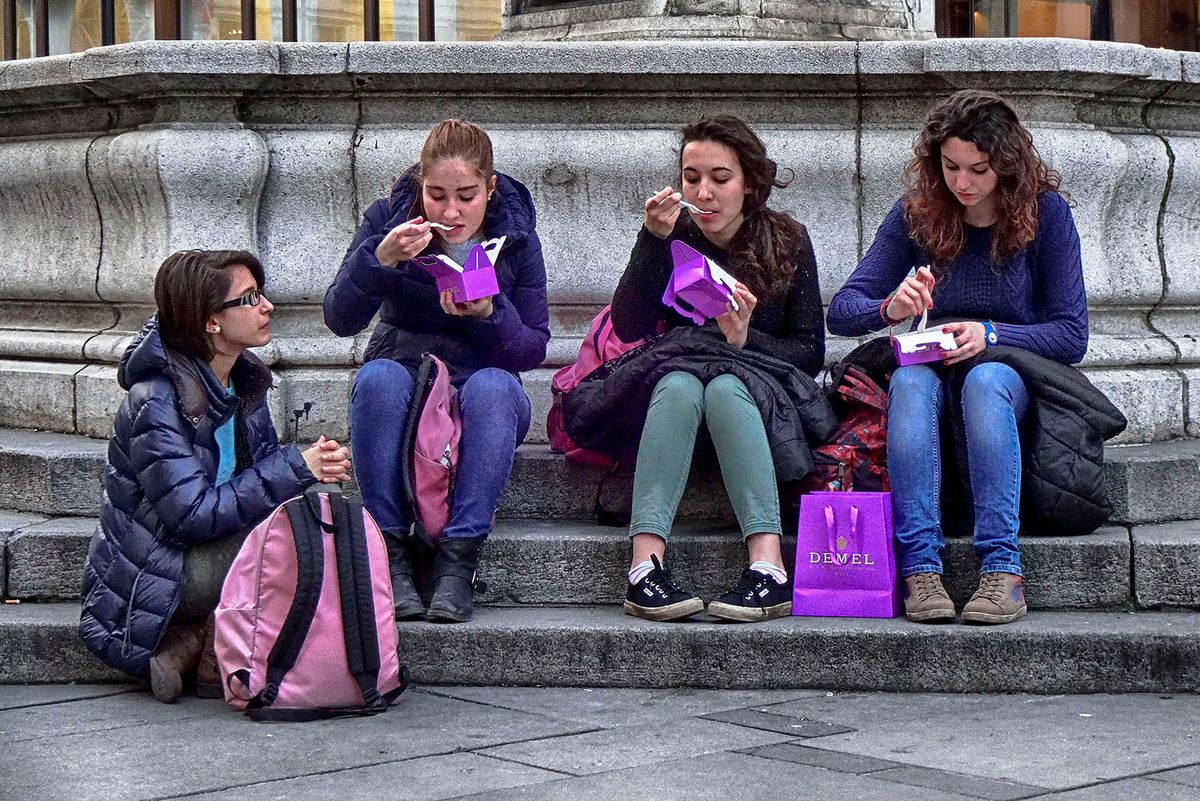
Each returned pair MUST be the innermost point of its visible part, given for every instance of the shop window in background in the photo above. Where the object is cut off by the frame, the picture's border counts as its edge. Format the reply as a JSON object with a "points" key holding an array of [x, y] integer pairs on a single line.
{"points": [[466, 20], [133, 21], [1069, 18], [1165, 23], [24, 15], [329, 20], [210, 19]]}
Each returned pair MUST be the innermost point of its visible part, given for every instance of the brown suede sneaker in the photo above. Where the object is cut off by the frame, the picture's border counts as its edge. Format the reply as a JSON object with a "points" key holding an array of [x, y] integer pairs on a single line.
{"points": [[927, 601], [999, 599]]}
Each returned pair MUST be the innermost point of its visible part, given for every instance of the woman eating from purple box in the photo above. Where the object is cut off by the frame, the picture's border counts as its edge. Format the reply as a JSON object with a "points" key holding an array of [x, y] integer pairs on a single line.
{"points": [[746, 374], [449, 202], [994, 254]]}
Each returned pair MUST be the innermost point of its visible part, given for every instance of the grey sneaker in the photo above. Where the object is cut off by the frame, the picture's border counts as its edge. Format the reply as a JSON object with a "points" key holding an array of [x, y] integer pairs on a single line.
{"points": [[927, 601], [999, 599]]}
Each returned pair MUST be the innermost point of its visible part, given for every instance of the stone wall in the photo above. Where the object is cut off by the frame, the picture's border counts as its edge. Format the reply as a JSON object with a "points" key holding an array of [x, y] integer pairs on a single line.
{"points": [[113, 158]]}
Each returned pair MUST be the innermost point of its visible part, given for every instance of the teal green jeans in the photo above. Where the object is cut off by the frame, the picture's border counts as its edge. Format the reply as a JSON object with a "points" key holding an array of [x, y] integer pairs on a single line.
{"points": [[677, 406]]}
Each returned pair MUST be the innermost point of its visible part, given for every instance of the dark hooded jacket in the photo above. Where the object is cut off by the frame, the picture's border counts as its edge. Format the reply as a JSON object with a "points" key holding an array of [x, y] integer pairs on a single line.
{"points": [[411, 320], [1063, 491], [607, 410], [159, 496]]}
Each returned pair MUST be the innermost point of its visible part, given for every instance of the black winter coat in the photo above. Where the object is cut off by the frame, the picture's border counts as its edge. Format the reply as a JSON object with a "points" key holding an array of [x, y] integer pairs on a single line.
{"points": [[159, 497], [1062, 444], [607, 410]]}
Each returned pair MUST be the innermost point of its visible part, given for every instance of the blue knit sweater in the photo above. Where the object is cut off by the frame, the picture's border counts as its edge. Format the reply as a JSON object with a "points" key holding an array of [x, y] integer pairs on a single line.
{"points": [[1036, 301]]}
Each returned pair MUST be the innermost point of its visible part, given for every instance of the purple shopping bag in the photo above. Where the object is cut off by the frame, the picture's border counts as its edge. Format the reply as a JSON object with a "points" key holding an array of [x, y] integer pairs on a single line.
{"points": [[698, 288], [474, 279], [845, 562]]}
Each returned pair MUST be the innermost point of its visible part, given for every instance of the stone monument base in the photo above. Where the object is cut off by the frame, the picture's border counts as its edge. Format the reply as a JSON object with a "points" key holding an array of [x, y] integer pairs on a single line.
{"points": [[555, 20]]}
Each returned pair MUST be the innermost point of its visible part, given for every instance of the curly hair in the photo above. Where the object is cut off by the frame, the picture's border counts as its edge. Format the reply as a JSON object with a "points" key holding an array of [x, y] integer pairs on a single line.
{"points": [[762, 248], [934, 215]]}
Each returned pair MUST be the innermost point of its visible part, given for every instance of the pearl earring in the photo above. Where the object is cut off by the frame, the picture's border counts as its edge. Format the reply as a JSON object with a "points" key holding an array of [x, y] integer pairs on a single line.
{"points": [[216, 329]]}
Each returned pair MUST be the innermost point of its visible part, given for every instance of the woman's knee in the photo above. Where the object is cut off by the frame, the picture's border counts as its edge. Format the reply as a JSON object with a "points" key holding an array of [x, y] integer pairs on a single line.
{"points": [[990, 381], [492, 388], [382, 379], [679, 390], [725, 388]]}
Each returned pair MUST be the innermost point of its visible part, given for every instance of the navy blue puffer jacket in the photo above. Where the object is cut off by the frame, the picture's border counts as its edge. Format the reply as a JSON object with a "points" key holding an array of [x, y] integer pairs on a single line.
{"points": [[159, 496]]}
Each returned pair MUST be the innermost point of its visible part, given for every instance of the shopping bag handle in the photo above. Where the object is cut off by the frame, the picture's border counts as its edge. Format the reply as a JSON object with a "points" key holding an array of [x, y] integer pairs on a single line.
{"points": [[831, 527]]}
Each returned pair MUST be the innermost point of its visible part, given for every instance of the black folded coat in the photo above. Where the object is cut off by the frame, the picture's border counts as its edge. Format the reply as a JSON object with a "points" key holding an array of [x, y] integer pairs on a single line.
{"points": [[607, 410]]}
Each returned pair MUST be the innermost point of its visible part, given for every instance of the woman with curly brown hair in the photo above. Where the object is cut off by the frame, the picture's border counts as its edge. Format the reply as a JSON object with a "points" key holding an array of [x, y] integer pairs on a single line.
{"points": [[775, 317], [996, 259]]}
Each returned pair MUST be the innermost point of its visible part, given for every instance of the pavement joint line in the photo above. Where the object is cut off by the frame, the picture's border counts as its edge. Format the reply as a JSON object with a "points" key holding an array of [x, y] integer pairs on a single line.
{"points": [[117, 727], [1149, 774], [344, 769], [759, 751], [1036, 790], [564, 773], [59, 701]]}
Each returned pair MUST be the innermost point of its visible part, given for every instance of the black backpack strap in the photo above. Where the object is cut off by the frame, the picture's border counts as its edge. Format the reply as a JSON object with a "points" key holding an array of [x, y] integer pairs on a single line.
{"points": [[266, 715], [310, 569], [424, 385], [358, 603]]}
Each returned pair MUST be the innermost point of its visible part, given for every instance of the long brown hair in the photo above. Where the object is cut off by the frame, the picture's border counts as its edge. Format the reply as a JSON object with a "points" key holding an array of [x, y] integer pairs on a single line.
{"points": [[934, 215], [763, 246]]}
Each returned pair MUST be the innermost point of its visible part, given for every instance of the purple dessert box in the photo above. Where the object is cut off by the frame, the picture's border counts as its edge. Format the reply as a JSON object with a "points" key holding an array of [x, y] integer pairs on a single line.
{"points": [[698, 288], [473, 280]]}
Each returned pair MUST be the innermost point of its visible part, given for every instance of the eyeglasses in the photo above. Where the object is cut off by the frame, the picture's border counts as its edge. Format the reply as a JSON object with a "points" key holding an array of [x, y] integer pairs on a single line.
{"points": [[251, 298]]}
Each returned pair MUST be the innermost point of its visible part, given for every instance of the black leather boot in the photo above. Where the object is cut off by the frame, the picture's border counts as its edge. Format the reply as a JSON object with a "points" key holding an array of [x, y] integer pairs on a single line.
{"points": [[454, 579], [404, 592]]}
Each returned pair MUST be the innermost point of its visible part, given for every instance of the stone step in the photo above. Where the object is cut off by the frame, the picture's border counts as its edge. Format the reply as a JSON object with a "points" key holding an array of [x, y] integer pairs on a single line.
{"points": [[533, 562], [59, 474], [1046, 652]]}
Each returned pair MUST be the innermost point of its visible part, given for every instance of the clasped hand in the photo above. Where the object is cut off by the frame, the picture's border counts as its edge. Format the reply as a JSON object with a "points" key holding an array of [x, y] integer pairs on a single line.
{"points": [[328, 461]]}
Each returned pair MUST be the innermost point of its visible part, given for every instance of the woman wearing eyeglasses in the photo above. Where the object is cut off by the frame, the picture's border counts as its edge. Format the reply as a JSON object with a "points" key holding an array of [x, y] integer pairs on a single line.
{"points": [[193, 464]]}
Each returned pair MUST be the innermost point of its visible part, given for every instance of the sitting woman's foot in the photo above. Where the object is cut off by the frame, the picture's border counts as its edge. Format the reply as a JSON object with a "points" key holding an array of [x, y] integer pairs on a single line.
{"points": [[999, 599], [927, 600], [757, 596], [656, 596], [454, 566]]}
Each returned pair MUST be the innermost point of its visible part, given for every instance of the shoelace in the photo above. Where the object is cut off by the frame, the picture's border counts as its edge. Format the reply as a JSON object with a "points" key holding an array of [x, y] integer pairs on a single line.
{"points": [[660, 579], [750, 583], [928, 586], [992, 587]]}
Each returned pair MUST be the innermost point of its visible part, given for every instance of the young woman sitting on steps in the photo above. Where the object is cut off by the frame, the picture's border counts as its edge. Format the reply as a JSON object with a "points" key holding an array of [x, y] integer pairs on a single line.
{"points": [[995, 256], [193, 464], [448, 202], [775, 318]]}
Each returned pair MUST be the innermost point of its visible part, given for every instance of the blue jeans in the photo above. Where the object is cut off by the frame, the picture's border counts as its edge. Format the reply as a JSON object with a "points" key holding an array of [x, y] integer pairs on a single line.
{"points": [[495, 418], [994, 403]]}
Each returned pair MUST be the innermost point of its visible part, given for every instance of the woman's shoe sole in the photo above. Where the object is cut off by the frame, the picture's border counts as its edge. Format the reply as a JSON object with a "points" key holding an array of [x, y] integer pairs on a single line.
{"points": [[748, 614], [987, 619], [932, 616], [661, 614]]}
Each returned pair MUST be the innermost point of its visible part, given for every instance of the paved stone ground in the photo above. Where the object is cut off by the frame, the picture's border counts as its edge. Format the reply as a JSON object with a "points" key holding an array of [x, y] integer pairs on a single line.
{"points": [[115, 743]]}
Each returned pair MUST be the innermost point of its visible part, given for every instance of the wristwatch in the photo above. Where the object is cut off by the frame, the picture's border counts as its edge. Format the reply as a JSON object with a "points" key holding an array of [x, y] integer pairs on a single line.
{"points": [[989, 333]]}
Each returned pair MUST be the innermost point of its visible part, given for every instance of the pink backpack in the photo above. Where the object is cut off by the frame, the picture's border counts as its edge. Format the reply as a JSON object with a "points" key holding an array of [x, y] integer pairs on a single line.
{"points": [[599, 346], [305, 629], [431, 450]]}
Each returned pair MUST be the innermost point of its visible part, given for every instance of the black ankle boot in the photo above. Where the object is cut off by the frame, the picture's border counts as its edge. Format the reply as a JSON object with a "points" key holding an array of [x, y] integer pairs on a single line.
{"points": [[454, 579], [404, 593]]}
